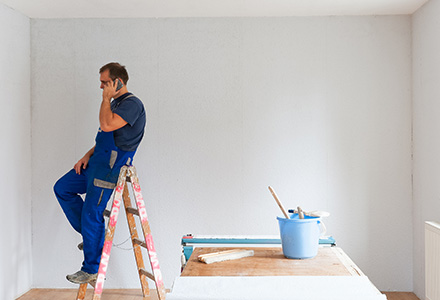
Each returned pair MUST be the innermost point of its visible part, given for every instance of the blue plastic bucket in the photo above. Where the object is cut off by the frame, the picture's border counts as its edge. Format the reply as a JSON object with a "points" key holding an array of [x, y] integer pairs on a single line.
{"points": [[299, 237]]}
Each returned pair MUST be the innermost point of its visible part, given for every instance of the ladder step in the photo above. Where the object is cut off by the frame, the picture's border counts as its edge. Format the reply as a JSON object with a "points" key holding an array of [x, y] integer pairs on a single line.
{"points": [[146, 273], [132, 210], [107, 213], [140, 243]]}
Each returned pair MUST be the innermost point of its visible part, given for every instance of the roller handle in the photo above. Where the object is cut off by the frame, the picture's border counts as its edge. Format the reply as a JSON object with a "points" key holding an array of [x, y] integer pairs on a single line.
{"points": [[300, 212], [279, 203]]}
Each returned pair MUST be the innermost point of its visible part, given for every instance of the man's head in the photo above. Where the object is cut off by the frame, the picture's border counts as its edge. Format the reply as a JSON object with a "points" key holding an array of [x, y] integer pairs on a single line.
{"points": [[115, 70], [112, 71]]}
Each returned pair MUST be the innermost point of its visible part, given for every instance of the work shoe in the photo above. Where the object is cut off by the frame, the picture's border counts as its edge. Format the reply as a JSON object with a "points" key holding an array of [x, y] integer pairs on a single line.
{"points": [[82, 277]]}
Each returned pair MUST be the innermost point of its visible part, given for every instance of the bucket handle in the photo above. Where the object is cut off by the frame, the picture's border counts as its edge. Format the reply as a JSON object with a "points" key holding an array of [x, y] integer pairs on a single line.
{"points": [[322, 228]]}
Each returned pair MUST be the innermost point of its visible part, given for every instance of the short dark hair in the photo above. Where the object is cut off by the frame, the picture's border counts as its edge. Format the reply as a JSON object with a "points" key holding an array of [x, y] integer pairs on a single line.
{"points": [[116, 70]]}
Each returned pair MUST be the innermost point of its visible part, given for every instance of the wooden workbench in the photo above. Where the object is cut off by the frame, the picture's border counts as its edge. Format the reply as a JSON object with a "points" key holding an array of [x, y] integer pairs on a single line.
{"points": [[331, 275], [330, 261]]}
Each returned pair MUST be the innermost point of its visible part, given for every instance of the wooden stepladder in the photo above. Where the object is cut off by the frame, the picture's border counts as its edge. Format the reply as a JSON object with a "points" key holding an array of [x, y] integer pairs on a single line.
{"points": [[128, 174]]}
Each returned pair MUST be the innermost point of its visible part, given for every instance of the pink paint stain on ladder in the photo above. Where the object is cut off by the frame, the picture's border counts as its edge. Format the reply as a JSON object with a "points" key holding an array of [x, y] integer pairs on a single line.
{"points": [[116, 206], [140, 202], [153, 259], [103, 267]]}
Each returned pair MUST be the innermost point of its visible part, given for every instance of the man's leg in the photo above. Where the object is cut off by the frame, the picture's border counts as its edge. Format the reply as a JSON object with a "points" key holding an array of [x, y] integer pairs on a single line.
{"points": [[67, 190], [93, 226]]}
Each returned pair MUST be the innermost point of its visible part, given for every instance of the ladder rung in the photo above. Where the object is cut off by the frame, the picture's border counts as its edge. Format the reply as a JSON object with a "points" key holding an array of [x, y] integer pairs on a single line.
{"points": [[146, 273], [107, 213], [132, 210], [140, 243]]}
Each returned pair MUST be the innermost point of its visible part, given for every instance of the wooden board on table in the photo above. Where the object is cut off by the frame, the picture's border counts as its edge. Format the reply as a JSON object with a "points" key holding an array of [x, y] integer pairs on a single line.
{"points": [[330, 261]]}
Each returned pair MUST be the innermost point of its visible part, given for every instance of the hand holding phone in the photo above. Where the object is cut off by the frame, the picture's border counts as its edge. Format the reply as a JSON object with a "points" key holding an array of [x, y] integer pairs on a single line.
{"points": [[111, 88]]}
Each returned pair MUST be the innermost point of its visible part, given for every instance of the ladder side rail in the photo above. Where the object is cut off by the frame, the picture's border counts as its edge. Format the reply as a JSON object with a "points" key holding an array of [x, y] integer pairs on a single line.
{"points": [[136, 248], [110, 234], [82, 291], [158, 279]]}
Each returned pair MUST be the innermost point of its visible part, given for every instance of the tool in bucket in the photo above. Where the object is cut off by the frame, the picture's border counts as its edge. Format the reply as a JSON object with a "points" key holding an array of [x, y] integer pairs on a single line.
{"points": [[316, 214], [128, 174], [279, 202]]}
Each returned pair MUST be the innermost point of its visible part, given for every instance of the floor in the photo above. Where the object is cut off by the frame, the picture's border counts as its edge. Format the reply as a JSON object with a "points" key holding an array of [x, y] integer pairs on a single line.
{"points": [[136, 294], [70, 294]]}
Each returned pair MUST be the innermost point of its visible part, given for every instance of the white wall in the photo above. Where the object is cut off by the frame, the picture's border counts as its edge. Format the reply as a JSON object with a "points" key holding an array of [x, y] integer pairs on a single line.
{"points": [[319, 108], [426, 107], [15, 174]]}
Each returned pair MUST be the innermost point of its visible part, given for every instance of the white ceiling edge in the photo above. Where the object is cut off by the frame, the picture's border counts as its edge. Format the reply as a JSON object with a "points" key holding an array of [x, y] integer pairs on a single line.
{"points": [[209, 8]]}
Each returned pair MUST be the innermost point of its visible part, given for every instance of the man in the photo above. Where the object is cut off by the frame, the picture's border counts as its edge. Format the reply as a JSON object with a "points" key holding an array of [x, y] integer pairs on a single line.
{"points": [[122, 122]]}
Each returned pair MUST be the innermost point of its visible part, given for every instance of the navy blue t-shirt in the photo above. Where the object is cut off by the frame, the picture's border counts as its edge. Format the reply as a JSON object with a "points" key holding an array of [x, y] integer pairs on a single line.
{"points": [[131, 109]]}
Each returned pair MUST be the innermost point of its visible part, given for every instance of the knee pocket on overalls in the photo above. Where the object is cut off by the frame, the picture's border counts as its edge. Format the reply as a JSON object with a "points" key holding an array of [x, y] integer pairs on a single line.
{"points": [[104, 185]]}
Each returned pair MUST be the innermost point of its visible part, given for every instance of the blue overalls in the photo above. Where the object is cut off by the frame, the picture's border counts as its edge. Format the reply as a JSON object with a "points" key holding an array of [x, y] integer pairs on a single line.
{"points": [[97, 181]]}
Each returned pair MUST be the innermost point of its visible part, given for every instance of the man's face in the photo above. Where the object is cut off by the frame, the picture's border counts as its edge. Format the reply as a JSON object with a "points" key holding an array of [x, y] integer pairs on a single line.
{"points": [[105, 78]]}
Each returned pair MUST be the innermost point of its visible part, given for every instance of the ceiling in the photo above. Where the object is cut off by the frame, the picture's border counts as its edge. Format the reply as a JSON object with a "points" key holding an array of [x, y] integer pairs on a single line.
{"points": [[208, 8]]}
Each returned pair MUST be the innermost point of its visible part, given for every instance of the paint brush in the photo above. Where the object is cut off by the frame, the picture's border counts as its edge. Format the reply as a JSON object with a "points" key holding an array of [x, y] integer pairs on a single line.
{"points": [[279, 202]]}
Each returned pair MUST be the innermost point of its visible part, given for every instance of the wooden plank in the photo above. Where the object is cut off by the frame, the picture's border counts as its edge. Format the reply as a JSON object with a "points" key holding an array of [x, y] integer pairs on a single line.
{"points": [[146, 273], [225, 255], [138, 242], [131, 210], [400, 296], [271, 262]]}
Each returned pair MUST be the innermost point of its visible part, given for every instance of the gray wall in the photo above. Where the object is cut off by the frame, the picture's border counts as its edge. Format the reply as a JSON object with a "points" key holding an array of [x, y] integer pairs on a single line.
{"points": [[319, 108], [15, 174], [426, 77]]}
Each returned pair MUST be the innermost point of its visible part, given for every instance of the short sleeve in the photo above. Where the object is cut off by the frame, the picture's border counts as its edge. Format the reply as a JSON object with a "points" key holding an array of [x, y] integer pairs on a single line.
{"points": [[129, 110]]}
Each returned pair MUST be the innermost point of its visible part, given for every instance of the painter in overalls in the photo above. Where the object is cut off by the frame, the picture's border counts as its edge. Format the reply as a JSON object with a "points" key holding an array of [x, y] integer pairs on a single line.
{"points": [[122, 123]]}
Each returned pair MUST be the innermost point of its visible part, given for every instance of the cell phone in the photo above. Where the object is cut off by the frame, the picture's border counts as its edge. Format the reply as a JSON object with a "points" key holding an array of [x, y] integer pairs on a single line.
{"points": [[119, 86]]}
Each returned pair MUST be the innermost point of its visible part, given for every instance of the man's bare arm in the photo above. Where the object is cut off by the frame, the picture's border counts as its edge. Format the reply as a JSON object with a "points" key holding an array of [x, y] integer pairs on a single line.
{"points": [[108, 120]]}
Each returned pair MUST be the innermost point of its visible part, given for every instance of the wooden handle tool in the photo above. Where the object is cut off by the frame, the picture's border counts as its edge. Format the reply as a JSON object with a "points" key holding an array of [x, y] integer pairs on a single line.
{"points": [[279, 202], [300, 213]]}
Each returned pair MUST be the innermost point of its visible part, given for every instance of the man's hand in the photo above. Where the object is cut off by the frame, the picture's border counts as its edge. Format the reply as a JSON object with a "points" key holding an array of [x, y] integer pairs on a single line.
{"points": [[109, 90], [83, 162]]}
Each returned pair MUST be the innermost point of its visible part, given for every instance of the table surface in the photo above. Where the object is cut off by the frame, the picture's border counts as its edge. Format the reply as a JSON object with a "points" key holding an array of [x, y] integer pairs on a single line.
{"points": [[330, 261]]}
